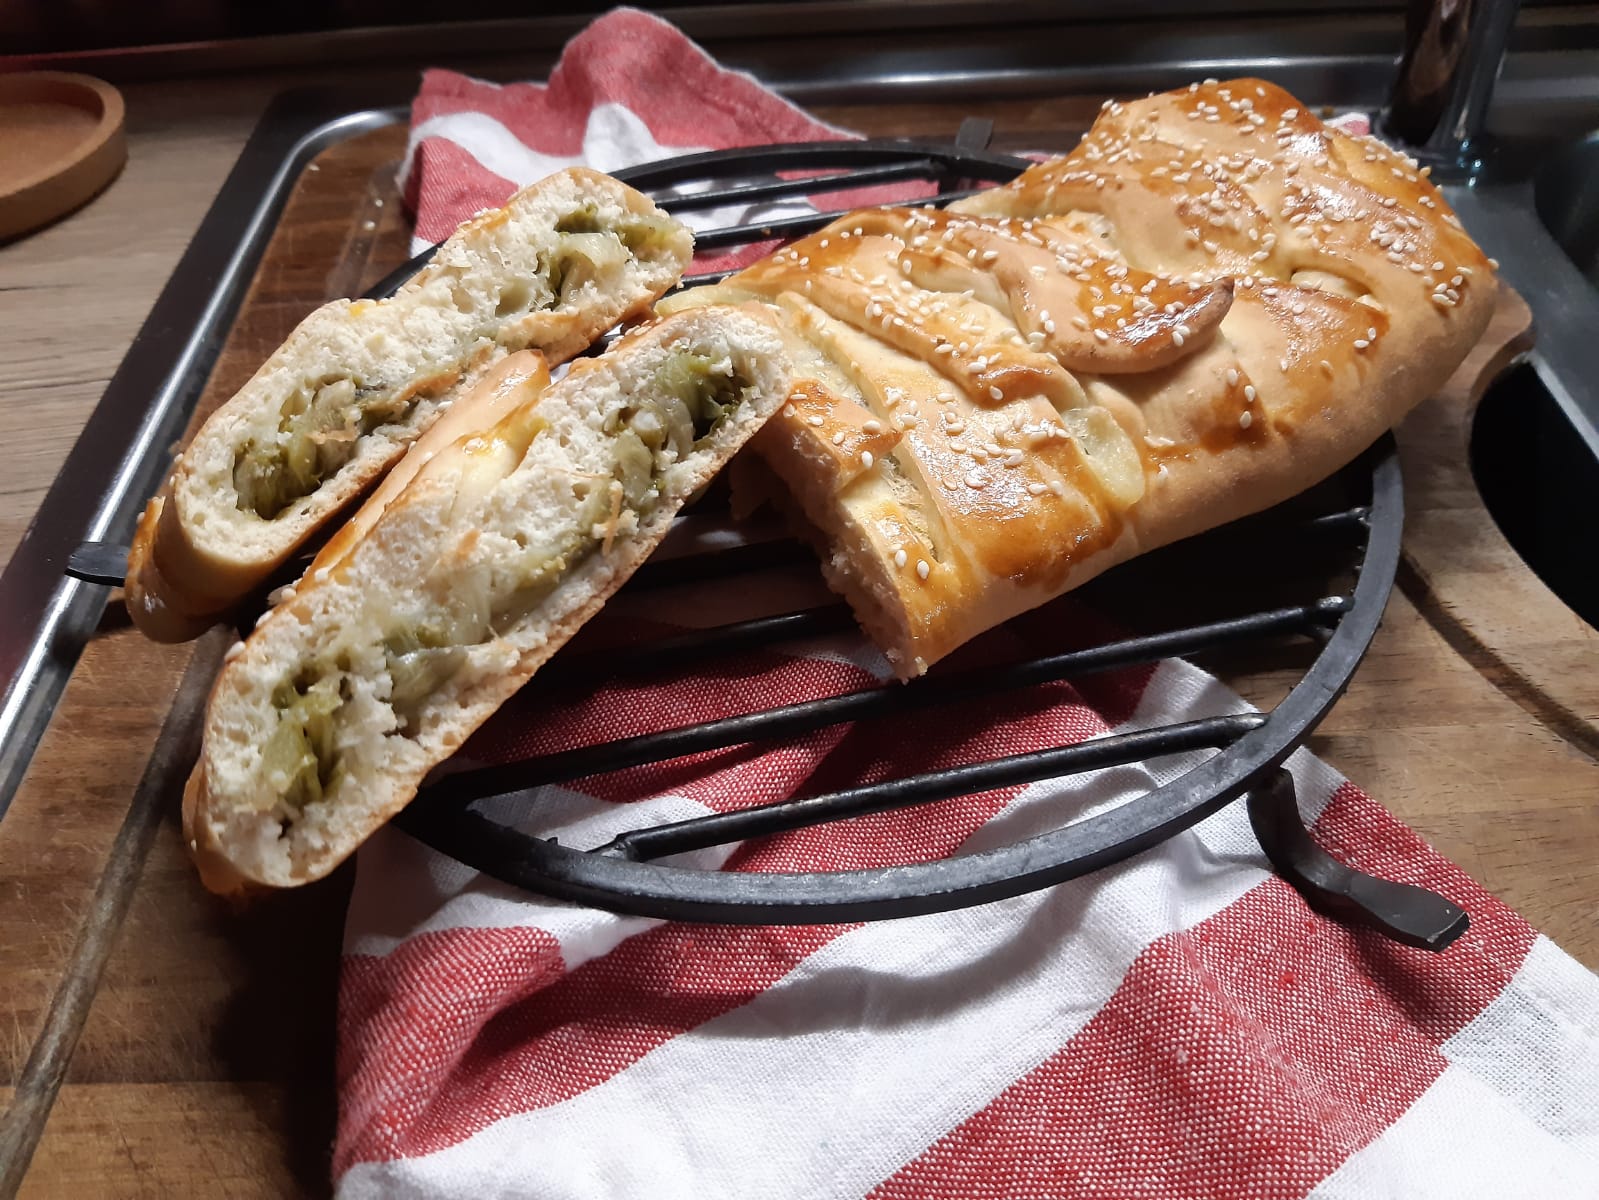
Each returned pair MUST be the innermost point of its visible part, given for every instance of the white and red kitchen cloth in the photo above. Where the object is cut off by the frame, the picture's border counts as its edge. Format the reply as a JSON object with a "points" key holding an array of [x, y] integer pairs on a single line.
{"points": [[1179, 1026]]}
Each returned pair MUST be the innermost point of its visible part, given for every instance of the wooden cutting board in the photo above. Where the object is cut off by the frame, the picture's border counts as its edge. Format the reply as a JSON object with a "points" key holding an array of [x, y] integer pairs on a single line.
{"points": [[193, 1040]]}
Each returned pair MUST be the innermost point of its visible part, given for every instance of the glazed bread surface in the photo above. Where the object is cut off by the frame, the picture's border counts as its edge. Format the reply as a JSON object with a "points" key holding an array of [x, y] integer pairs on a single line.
{"points": [[1212, 303]]}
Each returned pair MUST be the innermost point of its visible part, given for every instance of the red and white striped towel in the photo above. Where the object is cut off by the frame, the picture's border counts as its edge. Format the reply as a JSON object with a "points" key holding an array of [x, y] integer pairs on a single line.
{"points": [[1179, 1026]]}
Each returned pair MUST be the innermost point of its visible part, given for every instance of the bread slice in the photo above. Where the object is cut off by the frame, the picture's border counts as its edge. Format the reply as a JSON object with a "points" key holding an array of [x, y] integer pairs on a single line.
{"points": [[384, 659], [358, 381]]}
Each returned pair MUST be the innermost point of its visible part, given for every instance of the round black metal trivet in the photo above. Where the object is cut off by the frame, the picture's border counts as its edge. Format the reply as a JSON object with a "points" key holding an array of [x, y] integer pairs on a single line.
{"points": [[1250, 747]]}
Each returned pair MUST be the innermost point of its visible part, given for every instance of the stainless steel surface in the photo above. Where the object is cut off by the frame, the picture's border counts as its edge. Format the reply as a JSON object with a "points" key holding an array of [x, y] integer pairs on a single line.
{"points": [[1548, 92], [1565, 308], [1454, 50], [1565, 192]]}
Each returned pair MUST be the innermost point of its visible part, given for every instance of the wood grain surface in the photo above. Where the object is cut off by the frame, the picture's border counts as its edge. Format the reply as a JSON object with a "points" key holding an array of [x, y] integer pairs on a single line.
{"points": [[205, 1062]]}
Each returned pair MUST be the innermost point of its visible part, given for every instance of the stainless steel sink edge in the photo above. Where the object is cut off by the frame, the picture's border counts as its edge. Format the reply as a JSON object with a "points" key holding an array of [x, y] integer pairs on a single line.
{"points": [[1565, 306]]}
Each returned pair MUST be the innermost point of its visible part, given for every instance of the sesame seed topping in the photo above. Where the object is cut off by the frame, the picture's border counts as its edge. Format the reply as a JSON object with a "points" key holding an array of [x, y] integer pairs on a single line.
{"points": [[975, 481], [814, 422], [1245, 420], [1036, 489], [1101, 335], [1232, 376], [996, 393], [1249, 393], [922, 569], [838, 438], [871, 425], [866, 459], [900, 557]]}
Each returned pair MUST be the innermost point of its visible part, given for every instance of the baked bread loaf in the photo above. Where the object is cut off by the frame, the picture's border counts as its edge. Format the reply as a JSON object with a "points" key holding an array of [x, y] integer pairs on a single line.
{"points": [[358, 381], [1213, 302], [401, 642]]}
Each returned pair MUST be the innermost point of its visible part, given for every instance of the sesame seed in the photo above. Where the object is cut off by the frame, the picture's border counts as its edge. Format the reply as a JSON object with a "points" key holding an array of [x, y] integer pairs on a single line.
{"points": [[1327, 367], [900, 557], [975, 481], [996, 393], [1361, 343], [814, 422], [1232, 376], [1036, 489], [867, 459], [1101, 335], [1249, 393], [871, 425], [1177, 336], [1245, 420], [838, 438], [922, 569]]}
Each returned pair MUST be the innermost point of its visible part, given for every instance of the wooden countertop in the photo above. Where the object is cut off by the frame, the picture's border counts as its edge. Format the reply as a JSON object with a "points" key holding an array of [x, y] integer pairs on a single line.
{"points": [[201, 1041]]}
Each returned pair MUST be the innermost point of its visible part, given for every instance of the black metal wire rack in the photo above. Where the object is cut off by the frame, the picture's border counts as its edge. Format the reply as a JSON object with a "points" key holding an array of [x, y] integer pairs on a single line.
{"points": [[1357, 538], [625, 874]]}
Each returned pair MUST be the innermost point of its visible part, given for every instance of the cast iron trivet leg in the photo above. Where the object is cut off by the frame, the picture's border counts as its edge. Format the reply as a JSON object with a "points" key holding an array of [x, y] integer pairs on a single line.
{"points": [[1411, 915]]}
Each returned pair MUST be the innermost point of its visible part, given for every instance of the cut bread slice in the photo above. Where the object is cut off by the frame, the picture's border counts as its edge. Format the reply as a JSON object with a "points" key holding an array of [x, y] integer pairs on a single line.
{"points": [[358, 381], [386, 657]]}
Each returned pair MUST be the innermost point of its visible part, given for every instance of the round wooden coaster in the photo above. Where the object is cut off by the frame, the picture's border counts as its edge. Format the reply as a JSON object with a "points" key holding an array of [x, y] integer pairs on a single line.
{"points": [[62, 143]]}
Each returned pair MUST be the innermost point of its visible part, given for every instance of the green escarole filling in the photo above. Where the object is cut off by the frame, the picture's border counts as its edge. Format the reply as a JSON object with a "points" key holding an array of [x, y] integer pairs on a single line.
{"points": [[321, 422], [684, 404], [319, 426]]}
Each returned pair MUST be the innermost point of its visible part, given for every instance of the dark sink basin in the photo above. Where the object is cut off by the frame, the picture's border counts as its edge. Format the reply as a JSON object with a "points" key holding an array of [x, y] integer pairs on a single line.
{"points": [[1540, 480], [1566, 191]]}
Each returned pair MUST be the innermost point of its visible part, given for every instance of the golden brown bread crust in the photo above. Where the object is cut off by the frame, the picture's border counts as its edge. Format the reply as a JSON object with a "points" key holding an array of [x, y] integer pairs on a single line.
{"points": [[210, 859], [1211, 303]]}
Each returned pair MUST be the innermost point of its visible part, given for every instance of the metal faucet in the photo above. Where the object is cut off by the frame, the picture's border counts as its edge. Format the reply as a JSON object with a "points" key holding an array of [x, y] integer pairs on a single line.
{"points": [[1453, 52]]}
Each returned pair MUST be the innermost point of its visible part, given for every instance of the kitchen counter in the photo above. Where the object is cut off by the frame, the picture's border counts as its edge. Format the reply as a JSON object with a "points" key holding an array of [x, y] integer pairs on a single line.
{"points": [[203, 1057]]}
